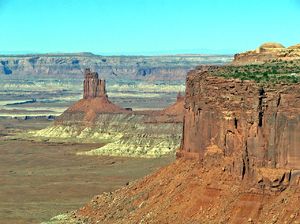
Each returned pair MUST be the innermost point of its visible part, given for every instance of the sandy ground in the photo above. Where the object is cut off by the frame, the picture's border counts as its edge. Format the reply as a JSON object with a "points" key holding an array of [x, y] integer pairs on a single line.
{"points": [[39, 180]]}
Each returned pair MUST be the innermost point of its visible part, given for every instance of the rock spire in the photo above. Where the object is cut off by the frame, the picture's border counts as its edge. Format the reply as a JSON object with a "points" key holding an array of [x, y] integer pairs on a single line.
{"points": [[93, 86]]}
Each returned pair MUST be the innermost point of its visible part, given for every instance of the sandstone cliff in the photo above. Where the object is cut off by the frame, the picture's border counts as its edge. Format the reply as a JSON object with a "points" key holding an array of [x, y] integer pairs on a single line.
{"points": [[239, 156], [256, 125]]}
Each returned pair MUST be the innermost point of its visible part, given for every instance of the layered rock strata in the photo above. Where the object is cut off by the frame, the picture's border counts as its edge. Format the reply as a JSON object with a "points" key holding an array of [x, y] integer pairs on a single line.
{"points": [[238, 161], [255, 125], [127, 133], [128, 67]]}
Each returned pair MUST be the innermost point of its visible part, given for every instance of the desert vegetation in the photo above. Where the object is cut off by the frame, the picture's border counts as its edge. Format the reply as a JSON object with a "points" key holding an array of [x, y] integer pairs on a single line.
{"points": [[271, 72]]}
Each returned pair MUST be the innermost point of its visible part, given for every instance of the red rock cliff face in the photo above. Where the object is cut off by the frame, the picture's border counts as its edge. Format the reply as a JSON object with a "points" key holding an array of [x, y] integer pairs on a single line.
{"points": [[93, 86], [258, 125]]}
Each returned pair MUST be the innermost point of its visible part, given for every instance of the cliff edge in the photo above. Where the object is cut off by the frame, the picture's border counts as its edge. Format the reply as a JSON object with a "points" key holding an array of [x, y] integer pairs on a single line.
{"points": [[256, 125], [239, 157]]}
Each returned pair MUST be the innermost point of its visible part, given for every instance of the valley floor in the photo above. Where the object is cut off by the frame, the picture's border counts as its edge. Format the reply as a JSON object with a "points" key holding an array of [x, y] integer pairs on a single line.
{"points": [[39, 180]]}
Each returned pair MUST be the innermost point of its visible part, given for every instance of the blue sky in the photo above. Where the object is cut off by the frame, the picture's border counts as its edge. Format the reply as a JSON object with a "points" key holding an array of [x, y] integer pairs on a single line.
{"points": [[146, 26]]}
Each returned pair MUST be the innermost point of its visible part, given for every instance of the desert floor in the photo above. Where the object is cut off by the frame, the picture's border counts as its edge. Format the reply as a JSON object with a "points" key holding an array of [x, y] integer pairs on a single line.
{"points": [[39, 180]]}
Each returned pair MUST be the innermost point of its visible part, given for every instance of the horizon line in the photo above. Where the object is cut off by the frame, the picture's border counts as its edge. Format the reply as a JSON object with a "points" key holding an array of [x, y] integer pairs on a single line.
{"points": [[111, 54]]}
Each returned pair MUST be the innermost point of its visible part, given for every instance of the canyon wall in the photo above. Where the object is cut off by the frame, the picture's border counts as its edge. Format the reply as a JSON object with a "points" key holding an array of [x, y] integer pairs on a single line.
{"points": [[256, 124], [130, 67]]}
